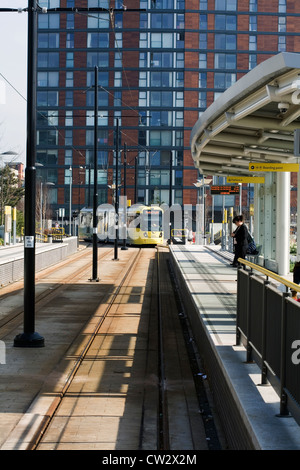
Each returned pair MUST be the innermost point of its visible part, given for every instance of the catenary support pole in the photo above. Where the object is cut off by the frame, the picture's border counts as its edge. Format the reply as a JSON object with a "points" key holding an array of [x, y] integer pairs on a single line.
{"points": [[95, 196], [29, 337]]}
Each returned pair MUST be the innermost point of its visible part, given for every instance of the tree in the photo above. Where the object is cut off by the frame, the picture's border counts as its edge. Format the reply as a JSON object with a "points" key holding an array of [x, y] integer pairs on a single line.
{"points": [[11, 190]]}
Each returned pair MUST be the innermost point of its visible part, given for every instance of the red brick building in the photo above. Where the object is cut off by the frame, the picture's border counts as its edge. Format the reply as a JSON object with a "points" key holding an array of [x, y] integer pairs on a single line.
{"points": [[159, 67]]}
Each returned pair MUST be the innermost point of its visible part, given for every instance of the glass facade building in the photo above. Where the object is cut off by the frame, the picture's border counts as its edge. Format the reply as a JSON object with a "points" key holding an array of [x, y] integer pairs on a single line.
{"points": [[161, 63]]}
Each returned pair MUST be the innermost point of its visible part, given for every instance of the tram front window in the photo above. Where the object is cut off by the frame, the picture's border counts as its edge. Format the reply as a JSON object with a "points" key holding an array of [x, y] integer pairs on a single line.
{"points": [[151, 221]]}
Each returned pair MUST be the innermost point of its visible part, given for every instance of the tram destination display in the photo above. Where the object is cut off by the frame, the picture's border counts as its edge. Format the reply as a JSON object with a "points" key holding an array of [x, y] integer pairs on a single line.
{"points": [[225, 189]]}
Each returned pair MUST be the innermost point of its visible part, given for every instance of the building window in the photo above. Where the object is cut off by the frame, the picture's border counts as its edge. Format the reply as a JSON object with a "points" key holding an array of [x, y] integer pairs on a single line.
{"points": [[161, 59], [69, 118], [69, 79], [227, 5], [118, 79], [224, 80], [202, 41], [252, 43], [70, 41], [161, 98], [143, 60], [117, 98], [252, 23], [162, 4], [180, 21], [143, 21], [252, 61], [202, 99], [68, 176], [118, 16], [118, 40], [179, 118], [102, 78], [225, 61], [162, 20], [252, 5], [179, 60], [143, 40], [49, 21], [49, 3], [142, 98], [118, 59], [47, 59], [102, 118], [98, 3], [281, 24], [281, 43], [161, 118], [47, 79], [225, 41], [70, 60], [179, 79], [161, 40], [203, 21], [47, 98], [98, 40], [48, 40], [179, 99], [282, 6], [68, 138], [100, 59], [163, 138], [68, 157], [202, 80], [70, 20], [161, 79], [47, 118], [69, 98], [225, 22]]}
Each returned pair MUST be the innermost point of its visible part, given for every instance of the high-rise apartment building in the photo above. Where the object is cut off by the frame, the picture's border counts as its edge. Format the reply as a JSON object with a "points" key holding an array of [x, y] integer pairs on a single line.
{"points": [[160, 64]]}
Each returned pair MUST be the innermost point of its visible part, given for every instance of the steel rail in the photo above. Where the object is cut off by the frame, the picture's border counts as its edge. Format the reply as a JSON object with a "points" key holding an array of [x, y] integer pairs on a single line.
{"points": [[163, 420]]}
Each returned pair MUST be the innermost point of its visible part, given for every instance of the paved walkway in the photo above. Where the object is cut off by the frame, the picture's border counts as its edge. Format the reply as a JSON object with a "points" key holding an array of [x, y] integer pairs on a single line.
{"points": [[211, 283]]}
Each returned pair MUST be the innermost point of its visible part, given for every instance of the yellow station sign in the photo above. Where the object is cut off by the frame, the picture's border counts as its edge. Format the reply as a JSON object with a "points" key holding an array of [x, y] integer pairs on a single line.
{"points": [[289, 167], [245, 179]]}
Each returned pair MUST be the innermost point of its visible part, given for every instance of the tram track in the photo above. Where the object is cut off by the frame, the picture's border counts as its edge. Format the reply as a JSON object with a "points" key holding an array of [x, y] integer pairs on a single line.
{"points": [[52, 410], [50, 292]]}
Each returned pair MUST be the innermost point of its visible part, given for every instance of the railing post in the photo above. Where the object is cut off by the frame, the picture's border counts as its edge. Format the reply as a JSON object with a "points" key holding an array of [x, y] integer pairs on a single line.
{"points": [[237, 331], [248, 346], [283, 397], [264, 333]]}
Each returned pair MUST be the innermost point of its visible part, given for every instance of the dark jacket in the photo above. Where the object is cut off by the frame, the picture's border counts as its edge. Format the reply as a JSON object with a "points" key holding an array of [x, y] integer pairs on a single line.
{"points": [[241, 235]]}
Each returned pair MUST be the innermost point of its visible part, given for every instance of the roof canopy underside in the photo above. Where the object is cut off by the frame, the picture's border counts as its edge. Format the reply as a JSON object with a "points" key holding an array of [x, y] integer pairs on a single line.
{"points": [[253, 121]]}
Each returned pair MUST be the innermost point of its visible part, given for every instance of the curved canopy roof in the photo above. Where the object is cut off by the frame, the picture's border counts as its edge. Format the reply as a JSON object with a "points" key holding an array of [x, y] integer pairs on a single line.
{"points": [[253, 120]]}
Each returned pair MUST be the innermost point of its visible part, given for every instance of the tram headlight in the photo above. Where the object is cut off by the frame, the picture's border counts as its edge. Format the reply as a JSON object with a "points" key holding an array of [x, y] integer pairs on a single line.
{"points": [[145, 234]]}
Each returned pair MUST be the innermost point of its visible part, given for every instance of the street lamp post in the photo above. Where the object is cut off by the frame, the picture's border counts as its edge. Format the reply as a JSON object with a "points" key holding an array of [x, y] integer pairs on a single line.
{"points": [[29, 337]]}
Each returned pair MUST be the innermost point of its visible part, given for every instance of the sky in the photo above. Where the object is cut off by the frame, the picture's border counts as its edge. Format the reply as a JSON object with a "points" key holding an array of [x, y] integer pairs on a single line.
{"points": [[13, 66]]}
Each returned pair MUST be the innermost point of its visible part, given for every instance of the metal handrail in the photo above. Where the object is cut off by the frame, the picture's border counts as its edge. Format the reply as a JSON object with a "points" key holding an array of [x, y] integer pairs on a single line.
{"points": [[268, 273]]}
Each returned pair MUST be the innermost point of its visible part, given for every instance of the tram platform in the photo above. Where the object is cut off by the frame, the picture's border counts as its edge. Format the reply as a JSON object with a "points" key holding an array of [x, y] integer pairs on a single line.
{"points": [[248, 409]]}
